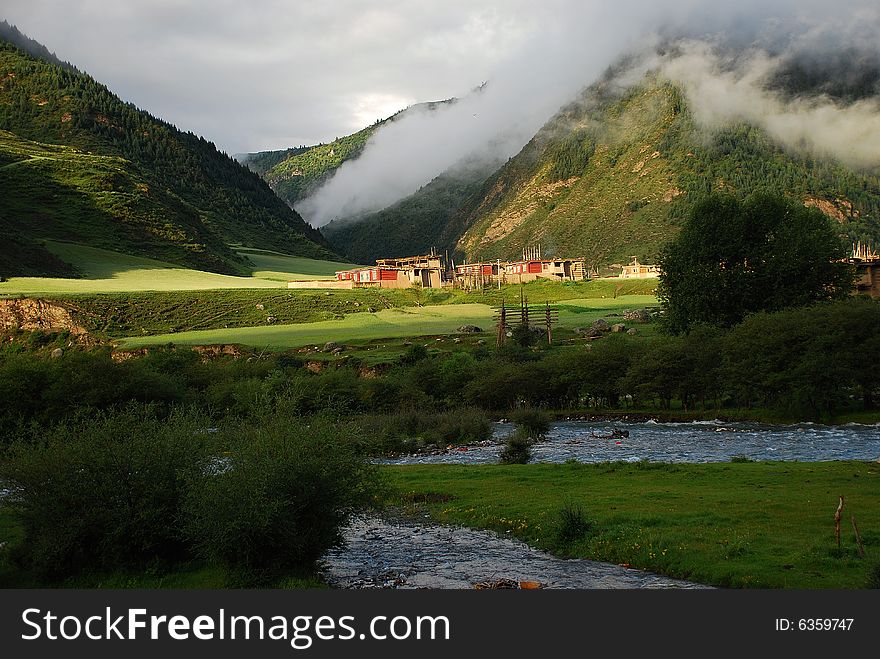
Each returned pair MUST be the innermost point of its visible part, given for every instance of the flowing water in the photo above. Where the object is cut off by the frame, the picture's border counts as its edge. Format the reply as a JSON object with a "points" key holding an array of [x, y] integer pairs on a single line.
{"points": [[703, 441], [383, 553]]}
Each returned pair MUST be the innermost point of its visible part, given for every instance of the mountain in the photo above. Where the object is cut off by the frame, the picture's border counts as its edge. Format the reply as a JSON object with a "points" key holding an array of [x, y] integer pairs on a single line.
{"points": [[613, 174], [414, 225], [13, 35], [297, 172], [81, 165], [294, 173]]}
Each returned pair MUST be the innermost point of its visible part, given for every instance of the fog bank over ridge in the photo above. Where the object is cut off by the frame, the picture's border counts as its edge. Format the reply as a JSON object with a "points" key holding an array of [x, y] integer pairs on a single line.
{"points": [[732, 63]]}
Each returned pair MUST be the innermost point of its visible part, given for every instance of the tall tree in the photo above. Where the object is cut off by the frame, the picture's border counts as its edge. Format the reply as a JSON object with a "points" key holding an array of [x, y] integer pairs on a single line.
{"points": [[734, 258]]}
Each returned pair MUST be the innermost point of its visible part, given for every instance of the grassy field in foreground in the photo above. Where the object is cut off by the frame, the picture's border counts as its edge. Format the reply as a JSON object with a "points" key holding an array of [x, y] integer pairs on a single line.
{"points": [[384, 324], [754, 525], [105, 271]]}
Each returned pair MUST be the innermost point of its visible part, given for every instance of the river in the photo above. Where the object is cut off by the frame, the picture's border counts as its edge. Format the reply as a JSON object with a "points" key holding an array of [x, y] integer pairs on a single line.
{"points": [[394, 553], [696, 442], [383, 553]]}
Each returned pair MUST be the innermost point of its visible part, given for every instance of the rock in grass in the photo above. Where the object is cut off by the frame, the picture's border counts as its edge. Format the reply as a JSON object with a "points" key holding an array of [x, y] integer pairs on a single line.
{"points": [[637, 316], [330, 346], [601, 325]]}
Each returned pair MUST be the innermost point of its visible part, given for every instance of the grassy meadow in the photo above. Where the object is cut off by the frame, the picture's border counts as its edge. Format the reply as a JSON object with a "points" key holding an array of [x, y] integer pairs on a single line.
{"points": [[394, 323], [741, 525], [283, 267], [106, 271], [387, 323]]}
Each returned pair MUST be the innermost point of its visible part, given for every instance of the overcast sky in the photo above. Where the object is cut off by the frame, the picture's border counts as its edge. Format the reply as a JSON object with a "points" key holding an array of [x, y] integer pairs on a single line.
{"points": [[270, 74], [275, 73]]}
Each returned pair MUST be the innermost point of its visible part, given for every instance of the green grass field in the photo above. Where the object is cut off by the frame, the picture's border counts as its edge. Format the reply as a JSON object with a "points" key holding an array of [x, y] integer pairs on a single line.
{"points": [[105, 271], [282, 267], [385, 324], [750, 525]]}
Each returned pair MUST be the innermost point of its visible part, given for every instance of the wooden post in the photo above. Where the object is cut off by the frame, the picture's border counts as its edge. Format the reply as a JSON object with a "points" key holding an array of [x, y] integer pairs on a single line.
{"points": [[549, 331], [502, 327], [858, 536], [837, 521]]}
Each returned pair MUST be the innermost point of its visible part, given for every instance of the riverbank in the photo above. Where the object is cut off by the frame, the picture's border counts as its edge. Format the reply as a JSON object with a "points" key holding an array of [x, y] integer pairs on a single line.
{"points": [[735, 524], [742, 525], [756, 415]]}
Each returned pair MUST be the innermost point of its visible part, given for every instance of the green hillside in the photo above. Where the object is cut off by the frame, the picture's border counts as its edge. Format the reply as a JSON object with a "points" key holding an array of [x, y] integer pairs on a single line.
{"points": [[294, 173], [610, 177], [413, 225], [79, 164], [105, 271]]}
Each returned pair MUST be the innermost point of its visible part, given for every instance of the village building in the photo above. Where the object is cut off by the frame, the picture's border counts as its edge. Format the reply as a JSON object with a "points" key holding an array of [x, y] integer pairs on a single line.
{"points": [[475, 275], [636, 270], [425, 271], [530, 268], [867, 264]]}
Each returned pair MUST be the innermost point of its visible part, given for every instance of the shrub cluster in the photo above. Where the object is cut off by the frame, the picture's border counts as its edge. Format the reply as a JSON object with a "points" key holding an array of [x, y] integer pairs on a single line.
{"points": [[131, 490], [413, 430], [517, 447], [812, 362]]}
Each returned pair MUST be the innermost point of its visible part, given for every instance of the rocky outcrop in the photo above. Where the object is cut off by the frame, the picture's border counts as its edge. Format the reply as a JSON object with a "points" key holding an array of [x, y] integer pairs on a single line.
{"points": [[33, 314]]}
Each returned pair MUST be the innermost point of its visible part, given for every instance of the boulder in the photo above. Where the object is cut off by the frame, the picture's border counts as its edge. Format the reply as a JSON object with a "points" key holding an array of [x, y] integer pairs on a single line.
{"points": [[632, 331], [618, 328], [637, 316], [601, 325], [469, 329], [330, 346], [57, 353]]}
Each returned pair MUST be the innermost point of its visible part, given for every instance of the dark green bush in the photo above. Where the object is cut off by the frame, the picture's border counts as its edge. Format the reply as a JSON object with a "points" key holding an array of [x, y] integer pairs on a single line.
{"points": [[415, 353], [872, 579], [524, 336], [517, 448], [281, 499], [411, 430], [572, 524], [535, 422], [104, 493]]}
